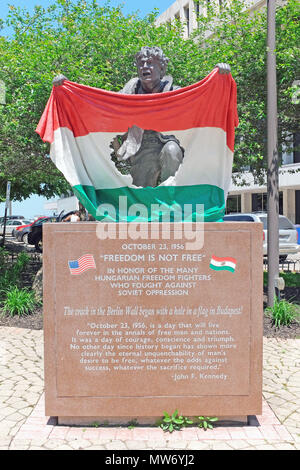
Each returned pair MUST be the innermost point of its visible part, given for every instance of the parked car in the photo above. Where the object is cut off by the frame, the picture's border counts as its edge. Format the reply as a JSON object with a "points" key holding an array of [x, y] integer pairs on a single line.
{"points": [[297, 227], [21, 235], [12, 224], [35, 234], [11, 217], [21, 231], [287, 232]]}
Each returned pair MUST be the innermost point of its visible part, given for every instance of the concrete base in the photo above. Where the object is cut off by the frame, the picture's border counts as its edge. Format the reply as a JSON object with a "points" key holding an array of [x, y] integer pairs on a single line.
{"points": [[126, 421], [215, 320]]}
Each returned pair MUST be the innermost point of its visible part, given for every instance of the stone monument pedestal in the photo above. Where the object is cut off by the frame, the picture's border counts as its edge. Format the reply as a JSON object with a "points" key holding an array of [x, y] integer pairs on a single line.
{"points": [[138, 325]]}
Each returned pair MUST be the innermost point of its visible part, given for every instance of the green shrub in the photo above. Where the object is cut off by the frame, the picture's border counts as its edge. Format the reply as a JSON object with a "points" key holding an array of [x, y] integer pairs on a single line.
{"points": [[206, 422], [10, 273], [174, 422], [18, 301], [290, 279], [282, 313]]}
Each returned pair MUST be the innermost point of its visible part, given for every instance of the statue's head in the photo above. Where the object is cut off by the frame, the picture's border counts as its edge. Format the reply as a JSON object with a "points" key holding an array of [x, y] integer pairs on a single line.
{"points": [[151, 64]]}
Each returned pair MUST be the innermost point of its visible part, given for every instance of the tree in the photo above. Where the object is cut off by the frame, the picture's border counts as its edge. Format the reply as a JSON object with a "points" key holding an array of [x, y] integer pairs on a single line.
{"points": [[95, 45], [239, 38], [88, 43]]}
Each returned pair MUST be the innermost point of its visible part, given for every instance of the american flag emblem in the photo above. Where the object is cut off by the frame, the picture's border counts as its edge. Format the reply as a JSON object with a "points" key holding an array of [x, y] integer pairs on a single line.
{"points": [[82, 264]]}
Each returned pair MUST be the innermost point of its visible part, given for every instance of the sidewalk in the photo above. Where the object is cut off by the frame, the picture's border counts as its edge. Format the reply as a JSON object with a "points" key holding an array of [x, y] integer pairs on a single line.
{"points": [[24, 426]]}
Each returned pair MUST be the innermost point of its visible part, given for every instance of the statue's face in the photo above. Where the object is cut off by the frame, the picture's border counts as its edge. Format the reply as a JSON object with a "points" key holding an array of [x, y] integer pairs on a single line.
{"points": [[149, 70]]}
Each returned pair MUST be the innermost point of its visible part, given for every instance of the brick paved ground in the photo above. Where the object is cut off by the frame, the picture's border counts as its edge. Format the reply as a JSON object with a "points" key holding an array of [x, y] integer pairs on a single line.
{"points": [[23, 425]]}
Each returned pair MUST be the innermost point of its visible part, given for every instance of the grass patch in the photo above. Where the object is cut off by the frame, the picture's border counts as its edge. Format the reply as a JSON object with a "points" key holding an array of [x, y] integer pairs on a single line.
{"points": [[18, 301], [283, 313], [10, 273]]}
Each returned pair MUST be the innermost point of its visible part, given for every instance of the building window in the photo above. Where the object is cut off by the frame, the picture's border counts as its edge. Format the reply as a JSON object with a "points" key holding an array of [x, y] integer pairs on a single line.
{"points": [[233, 204], [297, 207], [187, 19], [197, 9], [2, 92], [297, 147], [290, 149], [260, 202], [281, 202], [287, 156]]}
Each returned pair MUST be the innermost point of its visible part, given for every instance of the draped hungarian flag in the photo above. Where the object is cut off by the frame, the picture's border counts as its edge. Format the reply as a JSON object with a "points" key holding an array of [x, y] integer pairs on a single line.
{"points": [[100, 141]]}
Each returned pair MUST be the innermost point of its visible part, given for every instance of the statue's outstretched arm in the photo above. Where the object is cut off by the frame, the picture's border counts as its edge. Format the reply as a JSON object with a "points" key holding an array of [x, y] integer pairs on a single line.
{"points": [[59, 80], [223, 68]]}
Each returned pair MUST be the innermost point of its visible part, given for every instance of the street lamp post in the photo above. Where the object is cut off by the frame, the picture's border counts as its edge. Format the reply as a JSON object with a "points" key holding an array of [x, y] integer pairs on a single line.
{"points": [[273, 193], [5, 212], [2, 101]]}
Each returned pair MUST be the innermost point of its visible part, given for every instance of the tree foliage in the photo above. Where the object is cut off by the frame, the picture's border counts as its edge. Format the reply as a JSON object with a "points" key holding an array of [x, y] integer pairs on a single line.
{"points": [[240, 39], [95, 45]]}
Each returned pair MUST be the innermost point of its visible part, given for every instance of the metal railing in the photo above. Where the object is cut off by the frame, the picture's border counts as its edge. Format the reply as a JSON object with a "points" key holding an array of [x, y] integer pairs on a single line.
{"points": [[34, 257], [285, 266]]}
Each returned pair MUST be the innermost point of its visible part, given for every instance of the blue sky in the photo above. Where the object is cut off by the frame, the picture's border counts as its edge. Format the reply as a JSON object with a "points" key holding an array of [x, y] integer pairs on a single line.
{"points": [[34, 205], [130, 6], [29, 208]]}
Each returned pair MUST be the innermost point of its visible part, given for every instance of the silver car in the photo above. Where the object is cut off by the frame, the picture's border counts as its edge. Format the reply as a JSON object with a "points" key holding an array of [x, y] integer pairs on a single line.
{"points": [[288, 234], [12, 224]]}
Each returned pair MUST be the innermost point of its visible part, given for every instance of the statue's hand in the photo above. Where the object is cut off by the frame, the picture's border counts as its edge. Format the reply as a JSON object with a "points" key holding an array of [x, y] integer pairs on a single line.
{"points": [[115, 144], [59, 80], [223, 68], [122, 153]]}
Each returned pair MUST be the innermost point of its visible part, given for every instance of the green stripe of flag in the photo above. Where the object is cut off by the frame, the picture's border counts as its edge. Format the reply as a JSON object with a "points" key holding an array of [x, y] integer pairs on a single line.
{"points": [[212, 197], [221, 268]]}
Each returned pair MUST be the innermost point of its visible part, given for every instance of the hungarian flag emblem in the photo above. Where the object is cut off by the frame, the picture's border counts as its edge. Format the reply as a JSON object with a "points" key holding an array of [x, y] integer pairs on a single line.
{"points": [[223, 264], [103, 144]]}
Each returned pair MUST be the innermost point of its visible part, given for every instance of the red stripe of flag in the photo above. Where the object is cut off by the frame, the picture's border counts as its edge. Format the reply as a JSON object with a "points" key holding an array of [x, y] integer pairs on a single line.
{"points": [[233, 260], [208, 103], [86, 258]]}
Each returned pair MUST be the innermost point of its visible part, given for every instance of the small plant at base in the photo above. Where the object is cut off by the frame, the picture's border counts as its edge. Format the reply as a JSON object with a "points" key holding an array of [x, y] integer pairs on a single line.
{"points": [[132, 424], [95, 424], [18, 301], [282, 313], [205, 422], [174, 422]]}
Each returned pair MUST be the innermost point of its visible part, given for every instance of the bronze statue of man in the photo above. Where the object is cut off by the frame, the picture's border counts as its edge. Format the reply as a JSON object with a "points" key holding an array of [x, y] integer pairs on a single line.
{"points": [[153, 157], [151, 65]]}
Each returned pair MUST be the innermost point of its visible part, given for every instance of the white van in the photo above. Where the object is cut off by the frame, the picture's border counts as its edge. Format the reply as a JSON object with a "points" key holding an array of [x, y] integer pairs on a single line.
{"points": [[288, 234]]}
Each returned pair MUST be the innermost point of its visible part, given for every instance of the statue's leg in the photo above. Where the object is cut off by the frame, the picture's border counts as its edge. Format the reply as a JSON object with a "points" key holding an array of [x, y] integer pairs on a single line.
{"points": [[146, 165], [170, 158]]}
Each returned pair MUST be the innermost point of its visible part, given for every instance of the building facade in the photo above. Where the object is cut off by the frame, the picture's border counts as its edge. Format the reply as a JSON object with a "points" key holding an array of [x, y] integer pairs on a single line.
{"points": [[187, 12], [250, 197], [66, 204]]}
